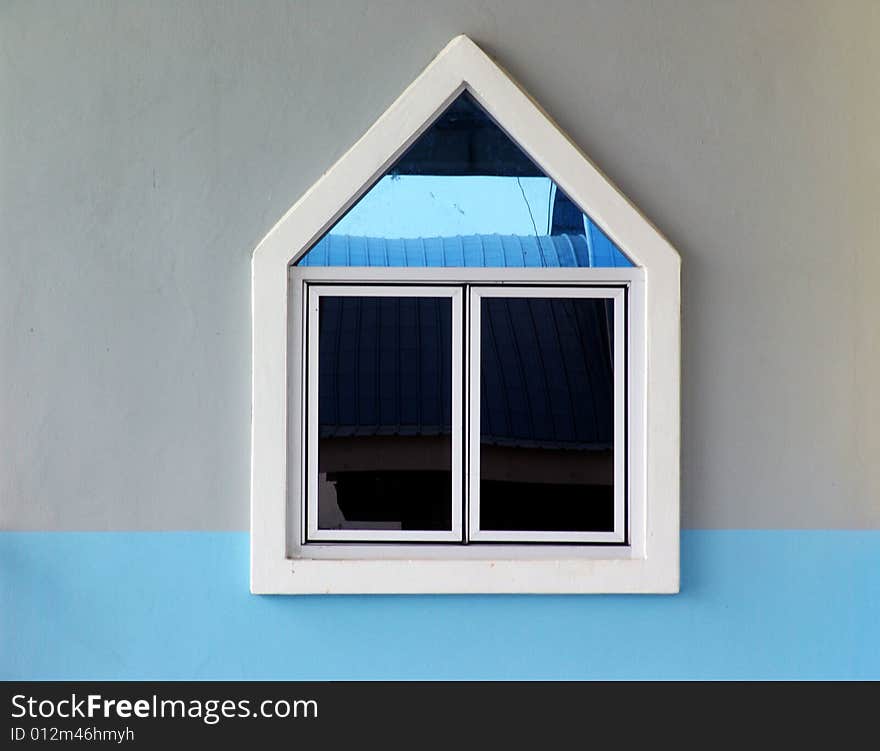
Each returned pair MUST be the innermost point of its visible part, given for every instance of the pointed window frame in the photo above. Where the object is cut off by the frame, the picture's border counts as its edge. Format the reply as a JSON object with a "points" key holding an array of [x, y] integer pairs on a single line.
{"points": [[649, 563]]}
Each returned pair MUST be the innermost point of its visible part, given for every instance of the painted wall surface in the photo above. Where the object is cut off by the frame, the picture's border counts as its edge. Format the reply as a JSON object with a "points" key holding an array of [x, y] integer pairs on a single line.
{"points": [[145, 148]]}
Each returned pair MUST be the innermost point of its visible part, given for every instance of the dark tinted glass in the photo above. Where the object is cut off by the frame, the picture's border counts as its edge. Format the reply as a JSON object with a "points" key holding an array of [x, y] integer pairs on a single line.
{"points": [[546, 414], [385, 413], [465, 194]]}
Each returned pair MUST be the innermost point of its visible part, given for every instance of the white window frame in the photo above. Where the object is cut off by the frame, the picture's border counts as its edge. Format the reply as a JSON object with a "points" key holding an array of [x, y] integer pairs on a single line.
{"points": [[649, 563], [308, 284]]}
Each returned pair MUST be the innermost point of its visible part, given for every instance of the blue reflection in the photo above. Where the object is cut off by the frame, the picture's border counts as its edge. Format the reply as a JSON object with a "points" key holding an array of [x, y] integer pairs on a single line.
{"points": [[465, 195]]}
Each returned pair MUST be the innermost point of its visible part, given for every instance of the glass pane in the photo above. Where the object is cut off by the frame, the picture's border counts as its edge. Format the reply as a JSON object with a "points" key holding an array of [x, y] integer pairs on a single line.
{"points": [[385, 413], [465, 194], [546, 414]]}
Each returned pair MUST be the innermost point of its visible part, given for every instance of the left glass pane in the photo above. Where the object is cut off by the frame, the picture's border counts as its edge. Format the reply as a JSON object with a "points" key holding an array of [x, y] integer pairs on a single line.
{"points": [[384, 416]]}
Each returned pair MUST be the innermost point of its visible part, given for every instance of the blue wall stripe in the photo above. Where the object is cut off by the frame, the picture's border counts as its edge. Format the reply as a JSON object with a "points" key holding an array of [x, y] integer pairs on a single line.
{"points": [[175, 605]]}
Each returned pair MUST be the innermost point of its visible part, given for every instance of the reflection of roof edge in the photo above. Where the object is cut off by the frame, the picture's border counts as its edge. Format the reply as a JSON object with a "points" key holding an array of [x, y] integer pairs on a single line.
{"points": [[423, 431], [494, 250], [543, 444], [333, 430], [527, 251]]}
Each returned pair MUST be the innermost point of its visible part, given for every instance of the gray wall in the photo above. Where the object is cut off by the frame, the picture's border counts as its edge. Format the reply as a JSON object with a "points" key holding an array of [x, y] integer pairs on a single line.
{"points": [[147, 147]]}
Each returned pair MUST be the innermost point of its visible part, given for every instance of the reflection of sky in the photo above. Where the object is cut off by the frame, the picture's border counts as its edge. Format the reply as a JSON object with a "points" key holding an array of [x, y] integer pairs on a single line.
{"points": [[435, 206]]}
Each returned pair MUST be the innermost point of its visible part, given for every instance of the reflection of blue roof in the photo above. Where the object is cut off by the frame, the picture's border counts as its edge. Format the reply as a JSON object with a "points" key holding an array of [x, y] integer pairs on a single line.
{"points": [[593, 249], [385, 362]]}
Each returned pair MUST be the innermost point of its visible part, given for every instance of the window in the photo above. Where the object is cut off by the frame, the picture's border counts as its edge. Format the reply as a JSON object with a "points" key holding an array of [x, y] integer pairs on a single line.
{"points": [[462, 383], [383, 417], [547, 414], [395, 410]]}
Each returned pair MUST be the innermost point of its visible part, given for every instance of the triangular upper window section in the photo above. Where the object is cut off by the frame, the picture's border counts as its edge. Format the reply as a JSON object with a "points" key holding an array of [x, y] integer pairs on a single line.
{"points": [[464, 194]]}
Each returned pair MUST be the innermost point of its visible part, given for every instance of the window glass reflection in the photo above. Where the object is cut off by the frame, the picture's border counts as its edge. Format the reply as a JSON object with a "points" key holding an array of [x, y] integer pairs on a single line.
{"points": [[465, 195], [385, 413], [546, 414]]}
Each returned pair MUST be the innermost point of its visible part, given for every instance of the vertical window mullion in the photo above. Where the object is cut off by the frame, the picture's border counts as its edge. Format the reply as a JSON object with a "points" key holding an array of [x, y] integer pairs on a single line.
{"points": [[465, 410], [473, 413]]}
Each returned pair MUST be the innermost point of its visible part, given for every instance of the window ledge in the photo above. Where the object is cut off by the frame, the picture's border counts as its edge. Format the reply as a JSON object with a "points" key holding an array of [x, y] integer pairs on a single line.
{"points": [[490, 576]]}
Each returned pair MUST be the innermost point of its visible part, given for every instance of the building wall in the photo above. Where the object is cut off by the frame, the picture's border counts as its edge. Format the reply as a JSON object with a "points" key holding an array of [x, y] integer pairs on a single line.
{"points": [[146, 148]]}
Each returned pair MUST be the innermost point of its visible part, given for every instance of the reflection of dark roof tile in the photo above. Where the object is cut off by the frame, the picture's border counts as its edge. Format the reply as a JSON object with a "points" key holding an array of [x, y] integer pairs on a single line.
{"points": [[396, 353], [385, 366], [546, 373]]}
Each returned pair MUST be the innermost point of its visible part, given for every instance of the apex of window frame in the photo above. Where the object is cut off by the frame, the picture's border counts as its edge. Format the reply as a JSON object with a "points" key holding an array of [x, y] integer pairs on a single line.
{"points": [[464, 61]]}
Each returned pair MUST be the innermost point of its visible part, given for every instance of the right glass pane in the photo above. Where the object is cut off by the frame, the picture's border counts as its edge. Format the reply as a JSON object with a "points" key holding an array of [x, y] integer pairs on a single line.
{"points": [[547, 415]]}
